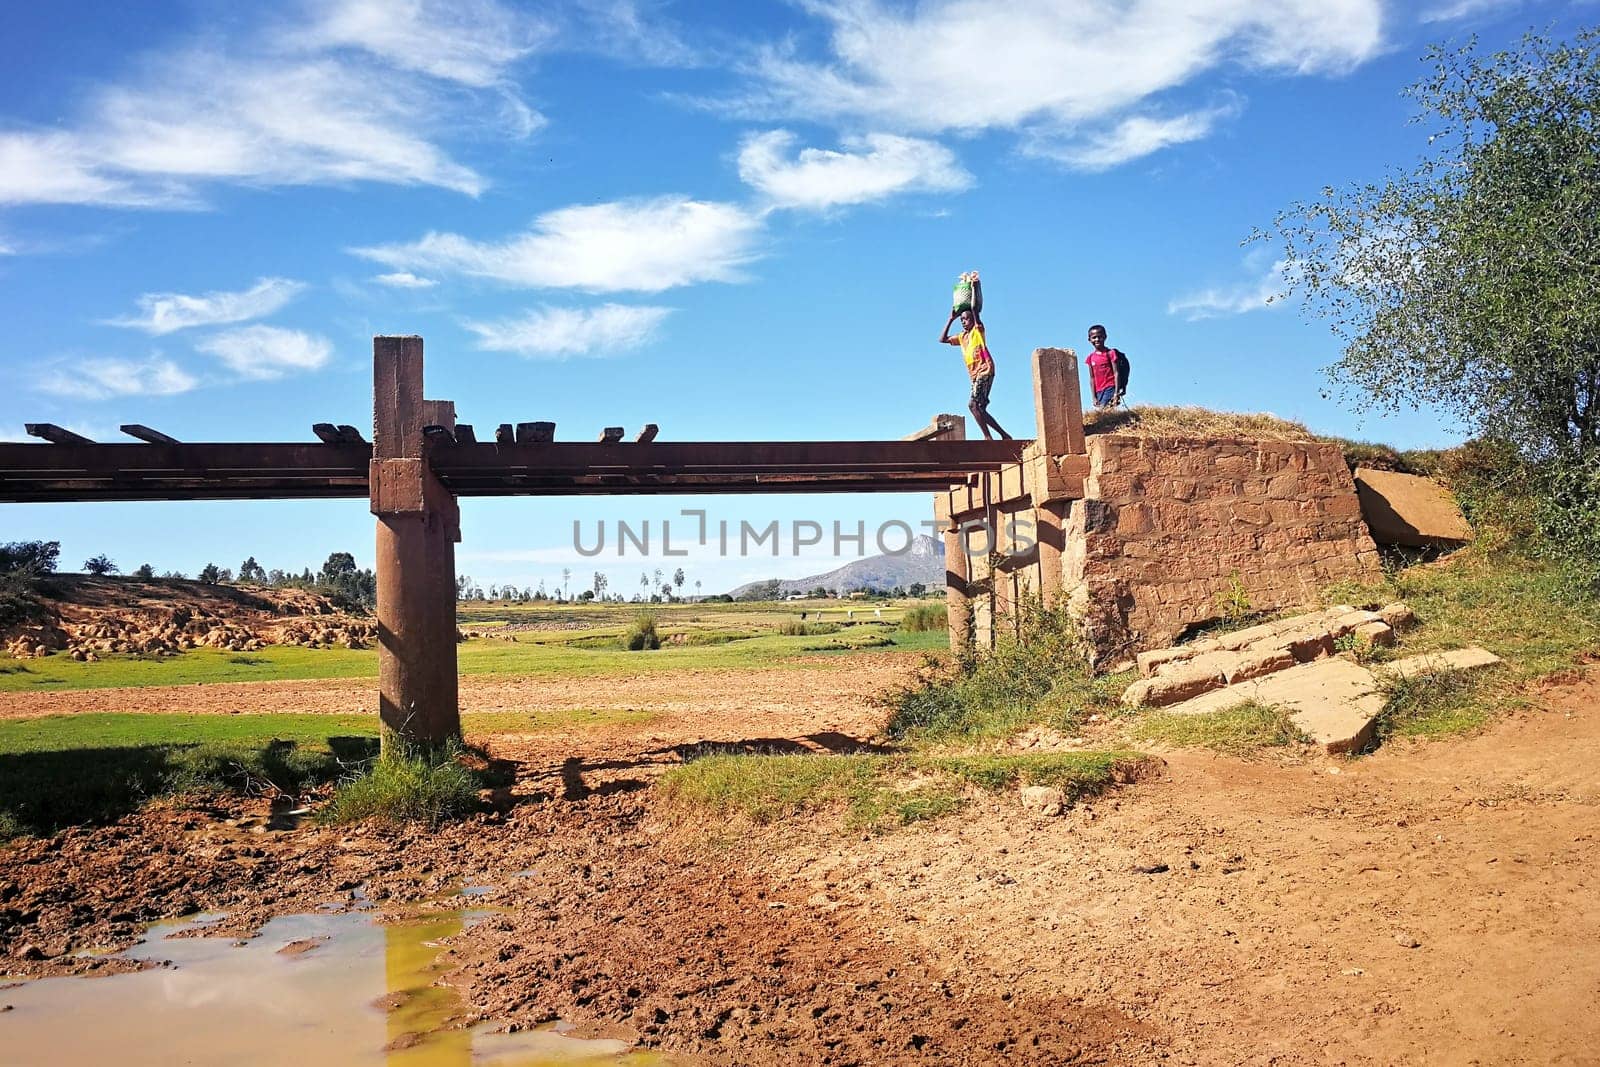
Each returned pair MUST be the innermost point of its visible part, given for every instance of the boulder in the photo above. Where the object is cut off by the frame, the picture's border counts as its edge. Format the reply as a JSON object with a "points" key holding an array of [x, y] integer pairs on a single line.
{"points": [[1403, 509]]}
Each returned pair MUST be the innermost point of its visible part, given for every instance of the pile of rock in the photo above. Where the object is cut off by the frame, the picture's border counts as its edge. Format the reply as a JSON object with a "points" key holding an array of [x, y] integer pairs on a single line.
{"points": [[341, 632], [164, 633], [1168, 675], [1291, 664]]}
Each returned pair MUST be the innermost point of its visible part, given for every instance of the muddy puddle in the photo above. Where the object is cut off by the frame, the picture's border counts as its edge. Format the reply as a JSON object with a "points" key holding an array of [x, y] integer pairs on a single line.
{"points": [[312, 989]]}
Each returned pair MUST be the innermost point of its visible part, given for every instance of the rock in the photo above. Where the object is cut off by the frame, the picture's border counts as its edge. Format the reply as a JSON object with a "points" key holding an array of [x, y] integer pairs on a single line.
{"points": [[1180, 683], [1254, 664], [1399, 616], [1405, 940], [1045, 800], [1375, 634], [28, 952]]}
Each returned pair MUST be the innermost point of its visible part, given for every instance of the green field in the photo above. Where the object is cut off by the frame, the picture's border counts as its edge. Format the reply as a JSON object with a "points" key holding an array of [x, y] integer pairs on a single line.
{"points": [[729, 636]]}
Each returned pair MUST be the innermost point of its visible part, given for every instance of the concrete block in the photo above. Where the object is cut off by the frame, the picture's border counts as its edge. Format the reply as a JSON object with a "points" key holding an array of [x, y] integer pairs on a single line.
{"points": [[1375, 634], [1398, 615], [1403, 509], [1309, 644], [1172, 687], [1249, 665], [1456, 659]]}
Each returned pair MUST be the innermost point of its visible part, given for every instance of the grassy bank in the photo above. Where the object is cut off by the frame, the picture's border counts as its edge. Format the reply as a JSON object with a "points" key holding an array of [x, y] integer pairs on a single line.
{"points": [[867, 790], [65, 770], [530, 655]]}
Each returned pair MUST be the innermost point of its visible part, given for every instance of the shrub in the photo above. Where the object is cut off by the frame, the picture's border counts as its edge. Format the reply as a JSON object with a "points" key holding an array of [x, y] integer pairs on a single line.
{"points": [[422, 786], [642, 636], [796, 628], [925, 617], [1039, 674]]}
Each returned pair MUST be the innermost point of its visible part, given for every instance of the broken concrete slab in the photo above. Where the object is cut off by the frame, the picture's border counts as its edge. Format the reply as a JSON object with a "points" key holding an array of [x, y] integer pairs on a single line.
{"points": [[1456, 659], [1403, 509], [1172, 686], [1336, 702], [1375, 634]]}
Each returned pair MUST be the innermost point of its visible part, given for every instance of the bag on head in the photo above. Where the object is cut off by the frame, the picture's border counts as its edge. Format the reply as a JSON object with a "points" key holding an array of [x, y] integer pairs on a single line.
{"points": [[968, 294]]}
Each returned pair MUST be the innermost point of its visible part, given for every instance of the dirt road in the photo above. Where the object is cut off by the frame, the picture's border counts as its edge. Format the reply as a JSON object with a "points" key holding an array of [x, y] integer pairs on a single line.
{"points": [[1431, 903]]}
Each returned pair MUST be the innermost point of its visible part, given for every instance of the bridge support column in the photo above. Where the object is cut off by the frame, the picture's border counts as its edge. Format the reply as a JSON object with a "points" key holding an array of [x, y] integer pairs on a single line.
{"points": [[418, 526]]}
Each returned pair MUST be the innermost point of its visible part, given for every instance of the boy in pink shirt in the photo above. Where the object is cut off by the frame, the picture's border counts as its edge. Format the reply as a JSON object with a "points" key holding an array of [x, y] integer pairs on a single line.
{"points": [[1105, 379]]}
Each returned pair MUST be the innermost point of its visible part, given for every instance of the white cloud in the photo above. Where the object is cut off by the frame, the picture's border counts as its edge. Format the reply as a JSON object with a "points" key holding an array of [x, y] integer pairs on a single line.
{"points": [[1042, 67], [560, 332], [358, 93], [871, 168], [1237, 299], [404, 280], [638, 245], [101, 379], [468, 41], [1460, 9], [1131, 138], [263, 352], [162, 313]]}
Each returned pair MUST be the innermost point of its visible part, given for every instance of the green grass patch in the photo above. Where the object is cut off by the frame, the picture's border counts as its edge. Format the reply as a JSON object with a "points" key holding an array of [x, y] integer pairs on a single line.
{"points": [[1078, 774], [1238, 731], [1436, 705], [1523, 610], [65, 770], [873, 790], [925, 617], [424, 787], [541, 655], [1043, 676]]}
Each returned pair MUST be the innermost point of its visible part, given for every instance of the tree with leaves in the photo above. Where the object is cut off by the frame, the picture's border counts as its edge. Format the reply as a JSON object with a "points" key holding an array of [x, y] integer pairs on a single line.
{"points": [[251, 571], [144, 570], [600, 583], [1472, 283], [100, 564]]}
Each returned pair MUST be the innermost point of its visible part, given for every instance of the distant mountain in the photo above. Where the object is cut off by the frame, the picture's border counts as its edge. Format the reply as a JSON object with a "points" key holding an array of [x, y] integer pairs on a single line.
{"points": [[922, 562]]}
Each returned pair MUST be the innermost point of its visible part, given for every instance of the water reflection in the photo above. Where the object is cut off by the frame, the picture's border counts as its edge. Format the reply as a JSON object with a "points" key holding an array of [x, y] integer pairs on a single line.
{"points": [[311, 989]]}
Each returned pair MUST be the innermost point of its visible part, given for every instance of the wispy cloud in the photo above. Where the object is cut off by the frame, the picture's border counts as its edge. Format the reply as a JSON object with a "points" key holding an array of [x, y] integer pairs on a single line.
{"points": [[560, 332], [870, 168], [1237, 298], [104, 378], [1130, 138], [626, 245], [404, 280], [265, 352], [1460, 9], [357, 91], [163, 313], [1046, 69], [472, 42]]}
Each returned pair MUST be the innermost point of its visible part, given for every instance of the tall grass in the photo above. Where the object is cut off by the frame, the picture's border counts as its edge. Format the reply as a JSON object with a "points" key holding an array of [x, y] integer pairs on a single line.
{"points": [[420, 786], [1039, 675], [642, 636], [924, 618]]}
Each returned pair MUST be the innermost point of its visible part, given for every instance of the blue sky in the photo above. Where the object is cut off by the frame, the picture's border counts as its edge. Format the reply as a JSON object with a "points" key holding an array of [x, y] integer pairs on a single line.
{"points": [[738, 220]]}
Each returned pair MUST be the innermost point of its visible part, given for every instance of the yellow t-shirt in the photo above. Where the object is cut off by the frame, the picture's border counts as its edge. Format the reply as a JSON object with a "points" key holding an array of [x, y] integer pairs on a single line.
{"points": [[975, 350]]}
